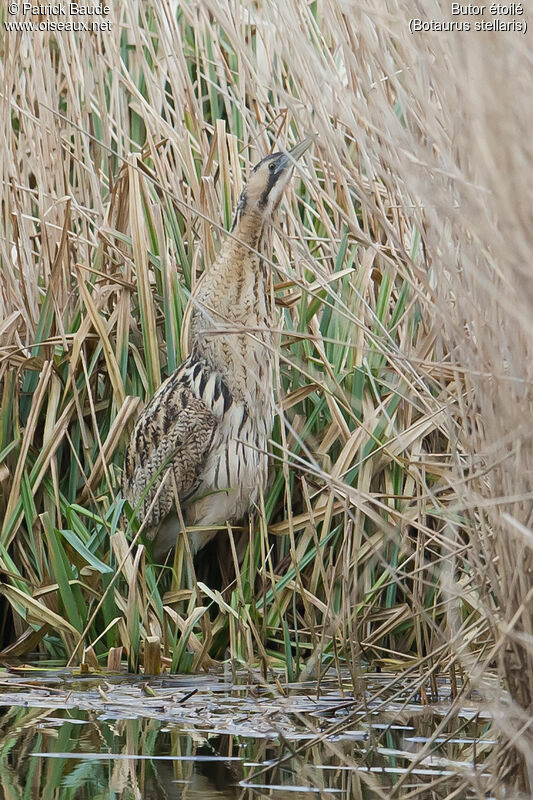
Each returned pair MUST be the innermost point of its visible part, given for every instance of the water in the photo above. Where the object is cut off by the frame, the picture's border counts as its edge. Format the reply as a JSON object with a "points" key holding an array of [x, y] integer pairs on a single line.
{"points": [[64, 735]]}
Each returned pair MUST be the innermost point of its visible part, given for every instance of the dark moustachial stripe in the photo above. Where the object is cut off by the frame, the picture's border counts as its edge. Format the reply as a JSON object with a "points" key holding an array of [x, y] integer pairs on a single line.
{"points": [[272, 178]]}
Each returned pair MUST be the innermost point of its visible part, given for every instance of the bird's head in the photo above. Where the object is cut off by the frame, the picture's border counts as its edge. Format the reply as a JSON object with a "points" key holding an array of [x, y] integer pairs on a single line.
{"points": [[268, 180]]}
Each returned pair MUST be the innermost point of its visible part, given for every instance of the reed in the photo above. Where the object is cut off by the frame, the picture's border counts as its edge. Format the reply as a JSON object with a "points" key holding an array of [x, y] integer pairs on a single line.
{"points": [[396, 529]]}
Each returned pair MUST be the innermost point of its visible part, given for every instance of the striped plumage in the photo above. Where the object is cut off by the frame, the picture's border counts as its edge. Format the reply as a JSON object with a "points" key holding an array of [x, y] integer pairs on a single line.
{"points": [[205, 432]]}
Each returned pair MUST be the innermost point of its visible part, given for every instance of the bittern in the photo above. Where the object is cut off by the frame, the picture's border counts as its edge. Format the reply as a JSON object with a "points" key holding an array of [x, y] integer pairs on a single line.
{"points": [[205, 432]]}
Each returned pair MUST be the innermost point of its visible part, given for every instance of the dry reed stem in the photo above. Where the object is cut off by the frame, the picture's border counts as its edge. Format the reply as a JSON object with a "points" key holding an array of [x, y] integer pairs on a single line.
{"points": [[405, 301]]}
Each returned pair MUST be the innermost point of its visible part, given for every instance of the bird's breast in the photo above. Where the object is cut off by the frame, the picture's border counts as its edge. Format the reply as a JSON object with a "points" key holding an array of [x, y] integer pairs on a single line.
{"points": [[235, 470], [232, 338], [239, 395], [236, 467], [231, 326]]}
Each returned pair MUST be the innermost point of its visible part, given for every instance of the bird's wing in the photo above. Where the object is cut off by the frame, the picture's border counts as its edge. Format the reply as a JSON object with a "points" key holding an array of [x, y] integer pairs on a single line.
{"points": [[174, 433]]}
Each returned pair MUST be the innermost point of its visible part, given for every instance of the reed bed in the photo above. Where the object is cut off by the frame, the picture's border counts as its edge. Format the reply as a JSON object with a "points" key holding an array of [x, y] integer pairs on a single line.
{"points": [[396, 529]]}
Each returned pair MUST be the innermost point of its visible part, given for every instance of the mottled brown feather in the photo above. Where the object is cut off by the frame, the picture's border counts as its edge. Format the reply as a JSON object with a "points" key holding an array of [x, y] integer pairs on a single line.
{"points": [[174, 433]]}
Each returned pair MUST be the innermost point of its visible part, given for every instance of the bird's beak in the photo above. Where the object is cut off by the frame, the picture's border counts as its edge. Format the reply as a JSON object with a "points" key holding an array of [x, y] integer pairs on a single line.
{"points": [[290, 157], [298, 151]]}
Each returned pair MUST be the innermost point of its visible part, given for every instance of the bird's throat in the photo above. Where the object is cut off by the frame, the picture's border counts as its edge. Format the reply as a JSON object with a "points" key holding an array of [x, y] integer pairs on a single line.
{"points": [[247, 231]]}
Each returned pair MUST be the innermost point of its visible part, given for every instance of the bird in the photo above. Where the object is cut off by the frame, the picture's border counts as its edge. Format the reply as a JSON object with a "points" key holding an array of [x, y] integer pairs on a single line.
{"points": [[204, 434]]}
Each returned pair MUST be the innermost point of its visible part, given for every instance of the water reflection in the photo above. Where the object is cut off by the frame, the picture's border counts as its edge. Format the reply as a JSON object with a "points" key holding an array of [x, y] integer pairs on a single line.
{"points": [[219, 750]]}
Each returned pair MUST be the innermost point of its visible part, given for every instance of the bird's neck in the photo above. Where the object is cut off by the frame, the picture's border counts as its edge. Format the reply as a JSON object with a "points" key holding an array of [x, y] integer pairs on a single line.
{"points": [[247, 230], [236, 283], [233, 315]]}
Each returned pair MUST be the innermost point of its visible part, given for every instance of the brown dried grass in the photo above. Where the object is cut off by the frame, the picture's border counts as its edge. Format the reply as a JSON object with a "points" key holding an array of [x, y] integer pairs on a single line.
{"points": [[419, 137]]}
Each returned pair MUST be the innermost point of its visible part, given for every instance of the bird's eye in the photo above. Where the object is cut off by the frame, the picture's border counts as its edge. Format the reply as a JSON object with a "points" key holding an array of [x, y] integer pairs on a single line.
{"points": [[272, 166]]}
